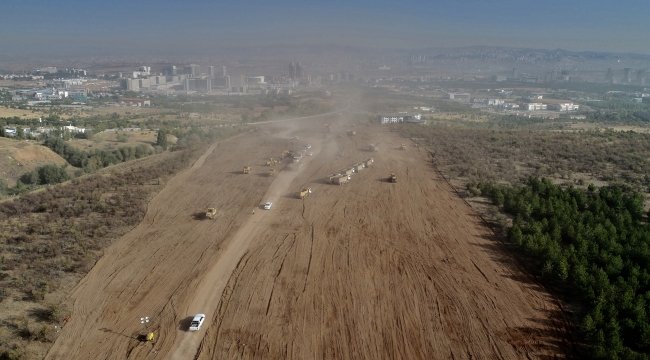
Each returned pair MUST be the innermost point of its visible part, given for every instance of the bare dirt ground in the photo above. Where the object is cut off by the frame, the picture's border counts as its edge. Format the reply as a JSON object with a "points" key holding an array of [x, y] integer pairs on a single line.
{"points": [[366, 270], [18, 157]]}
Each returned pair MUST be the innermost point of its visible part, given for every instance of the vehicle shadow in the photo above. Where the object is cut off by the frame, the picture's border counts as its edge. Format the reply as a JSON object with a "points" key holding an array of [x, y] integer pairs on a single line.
{"points": [[325, 181], [199, 215], [119, 333], [184, 324]]}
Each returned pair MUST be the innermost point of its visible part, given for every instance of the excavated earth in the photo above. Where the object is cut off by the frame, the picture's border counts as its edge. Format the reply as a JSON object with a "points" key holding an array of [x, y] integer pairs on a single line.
{"points": [[365, 270]]}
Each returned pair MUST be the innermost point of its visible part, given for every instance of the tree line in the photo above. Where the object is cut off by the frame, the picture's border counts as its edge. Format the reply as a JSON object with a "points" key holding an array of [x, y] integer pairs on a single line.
{"points": [[95, 159], [593, 246]]}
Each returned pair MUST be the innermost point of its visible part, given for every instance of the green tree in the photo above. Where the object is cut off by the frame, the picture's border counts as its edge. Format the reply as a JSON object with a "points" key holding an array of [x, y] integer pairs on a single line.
{"points": [[30, 178], [52, 174], [162, 139]]}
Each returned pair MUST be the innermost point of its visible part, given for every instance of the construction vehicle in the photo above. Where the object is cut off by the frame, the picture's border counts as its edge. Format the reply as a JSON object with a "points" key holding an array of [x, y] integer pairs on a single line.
{"points": [[304, 192], [286, 153], [372, 148], [392, 178], [272, 172], [339, 179], [271, 162], [211, 213], [197, 322], [369, 162], [402, 147], [352, 133], [246, 170]]}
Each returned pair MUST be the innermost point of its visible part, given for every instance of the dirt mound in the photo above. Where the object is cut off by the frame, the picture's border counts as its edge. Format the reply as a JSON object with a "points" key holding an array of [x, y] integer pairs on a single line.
{"points": [[18, 157], [366, 270]]}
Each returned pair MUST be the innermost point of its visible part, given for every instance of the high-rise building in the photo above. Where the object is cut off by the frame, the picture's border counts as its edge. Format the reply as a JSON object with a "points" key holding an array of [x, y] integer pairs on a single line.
{"points": [[131, 84], [170, 70], [227, 81], [198, 84], [212, 71], [515, 74], [193, 70], [298, 70], [609, 76], [224, 71], [627, 75], [641, 76], [295, 70]]}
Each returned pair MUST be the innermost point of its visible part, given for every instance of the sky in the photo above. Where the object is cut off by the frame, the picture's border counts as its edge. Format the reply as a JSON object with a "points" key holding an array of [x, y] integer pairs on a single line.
{"points": [[177, 26]]}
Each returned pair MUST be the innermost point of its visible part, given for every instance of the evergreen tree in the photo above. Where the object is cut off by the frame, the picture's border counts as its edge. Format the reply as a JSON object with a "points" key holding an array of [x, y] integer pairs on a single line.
{"points": [[162, 139]]}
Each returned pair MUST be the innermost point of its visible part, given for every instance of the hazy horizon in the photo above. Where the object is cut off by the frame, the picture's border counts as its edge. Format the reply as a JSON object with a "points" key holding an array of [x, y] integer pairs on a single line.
{"points": [[38, 27]]}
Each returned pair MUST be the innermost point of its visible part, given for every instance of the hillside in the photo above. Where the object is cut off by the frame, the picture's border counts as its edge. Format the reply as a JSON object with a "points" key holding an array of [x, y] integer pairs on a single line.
{"points": [[20, 156]]}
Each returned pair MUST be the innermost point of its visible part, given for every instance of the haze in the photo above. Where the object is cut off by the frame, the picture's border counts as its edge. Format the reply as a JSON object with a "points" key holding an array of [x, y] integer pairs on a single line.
{"points": [[201, 27], [324, 179]]}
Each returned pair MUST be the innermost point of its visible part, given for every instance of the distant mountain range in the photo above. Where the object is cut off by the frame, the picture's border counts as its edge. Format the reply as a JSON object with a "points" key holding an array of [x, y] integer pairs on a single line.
{"points": [[347, 57], [528, 54]]}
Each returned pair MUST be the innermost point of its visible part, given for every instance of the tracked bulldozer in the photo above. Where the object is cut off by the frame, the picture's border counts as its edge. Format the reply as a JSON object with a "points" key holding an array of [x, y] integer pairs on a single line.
{"points": [[304, 192], [211, 213], [271, 162]]}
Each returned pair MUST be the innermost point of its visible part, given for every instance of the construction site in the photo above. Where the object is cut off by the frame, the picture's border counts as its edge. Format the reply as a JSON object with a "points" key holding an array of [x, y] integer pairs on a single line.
{"points": [[373, 269]]}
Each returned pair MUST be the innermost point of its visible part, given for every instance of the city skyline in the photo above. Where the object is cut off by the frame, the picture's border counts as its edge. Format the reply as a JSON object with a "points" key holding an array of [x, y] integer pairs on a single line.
{"points": [[174, 27]]}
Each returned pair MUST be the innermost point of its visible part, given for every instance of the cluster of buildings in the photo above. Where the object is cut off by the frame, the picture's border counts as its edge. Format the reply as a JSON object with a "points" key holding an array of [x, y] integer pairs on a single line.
{"points": [[18, 77], [40, 131], [173, 78], [68, 83], [532, 103], [533, 106], [48, 94], [627, 76], [195, 78], [400, 118]]}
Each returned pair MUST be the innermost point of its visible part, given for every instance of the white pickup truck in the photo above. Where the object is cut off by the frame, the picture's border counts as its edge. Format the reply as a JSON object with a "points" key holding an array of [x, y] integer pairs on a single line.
{"points": [[197, 321]]}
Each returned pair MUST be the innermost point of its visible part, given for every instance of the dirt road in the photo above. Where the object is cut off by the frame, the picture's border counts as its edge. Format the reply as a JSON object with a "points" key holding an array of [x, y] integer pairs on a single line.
{"points": [[366, 270]]}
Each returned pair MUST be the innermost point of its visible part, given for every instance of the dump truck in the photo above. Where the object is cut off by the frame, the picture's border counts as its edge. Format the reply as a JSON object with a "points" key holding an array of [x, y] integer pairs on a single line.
{"points": [[211, 213], [349, 171], [392, 178], [246, 170], [339, 179], [304, 192]]}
